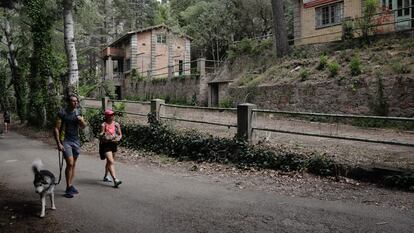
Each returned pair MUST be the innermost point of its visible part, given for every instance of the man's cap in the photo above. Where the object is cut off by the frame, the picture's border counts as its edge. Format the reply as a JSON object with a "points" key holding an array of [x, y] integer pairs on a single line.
{"points": [[109, 112]]}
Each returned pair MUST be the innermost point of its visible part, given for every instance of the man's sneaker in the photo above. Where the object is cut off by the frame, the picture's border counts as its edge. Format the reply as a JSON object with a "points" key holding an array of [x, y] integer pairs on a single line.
{"points": [[72, 190], [107, 179], [117, 183]]}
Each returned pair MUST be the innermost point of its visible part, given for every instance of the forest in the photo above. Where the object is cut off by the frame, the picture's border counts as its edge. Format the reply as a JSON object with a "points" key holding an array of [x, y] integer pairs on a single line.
{"points": [[50, 48]]}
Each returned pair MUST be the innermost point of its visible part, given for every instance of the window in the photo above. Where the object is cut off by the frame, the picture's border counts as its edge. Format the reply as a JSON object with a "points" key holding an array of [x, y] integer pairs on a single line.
{"points": [[329, 15], [161, 39], [128, 64], [386, 5]]}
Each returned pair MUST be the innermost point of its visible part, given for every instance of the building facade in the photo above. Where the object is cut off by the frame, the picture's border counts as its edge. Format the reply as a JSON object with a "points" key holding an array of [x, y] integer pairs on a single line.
{"points": [[320, 21], [152, 52]]}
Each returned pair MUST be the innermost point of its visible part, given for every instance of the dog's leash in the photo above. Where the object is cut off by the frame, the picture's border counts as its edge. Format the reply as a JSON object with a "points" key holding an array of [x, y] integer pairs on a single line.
{"points": [[60, 166]]}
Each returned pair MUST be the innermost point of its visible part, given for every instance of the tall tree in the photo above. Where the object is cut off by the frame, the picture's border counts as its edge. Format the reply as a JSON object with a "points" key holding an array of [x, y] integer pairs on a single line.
{"points": [[281, 41], [69, 32], [42, 15], [17, 79]]}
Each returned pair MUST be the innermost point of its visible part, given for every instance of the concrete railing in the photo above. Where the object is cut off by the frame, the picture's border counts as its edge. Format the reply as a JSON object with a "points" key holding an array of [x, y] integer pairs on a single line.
{"points": [[247, 115]]}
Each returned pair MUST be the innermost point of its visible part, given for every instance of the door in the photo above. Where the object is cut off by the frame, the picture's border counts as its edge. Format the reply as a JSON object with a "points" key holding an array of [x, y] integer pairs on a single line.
{"points": [[214, 94], [180, 67], [118, 92], [403, 14]]}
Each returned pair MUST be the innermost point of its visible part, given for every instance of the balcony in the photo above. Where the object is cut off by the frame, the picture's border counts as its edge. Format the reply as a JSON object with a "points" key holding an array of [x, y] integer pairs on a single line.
{"points": [[118, 79], [113, 52]]}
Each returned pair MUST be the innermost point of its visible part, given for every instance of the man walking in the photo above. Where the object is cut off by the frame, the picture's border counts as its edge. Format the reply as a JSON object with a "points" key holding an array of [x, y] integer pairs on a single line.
{"points": [[66, 133]]}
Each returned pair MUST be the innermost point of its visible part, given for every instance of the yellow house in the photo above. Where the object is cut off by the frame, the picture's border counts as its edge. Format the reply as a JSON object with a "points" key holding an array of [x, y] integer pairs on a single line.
{"points": [[320, 21]]}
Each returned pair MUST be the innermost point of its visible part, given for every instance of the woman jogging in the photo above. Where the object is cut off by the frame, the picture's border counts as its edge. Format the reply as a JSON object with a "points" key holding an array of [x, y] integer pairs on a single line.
{"points": [[109, 137]]}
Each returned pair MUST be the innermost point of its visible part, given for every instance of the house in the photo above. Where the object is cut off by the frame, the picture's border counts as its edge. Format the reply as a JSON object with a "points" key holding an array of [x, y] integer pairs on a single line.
{"points": [[150, 52], [320, 21]]}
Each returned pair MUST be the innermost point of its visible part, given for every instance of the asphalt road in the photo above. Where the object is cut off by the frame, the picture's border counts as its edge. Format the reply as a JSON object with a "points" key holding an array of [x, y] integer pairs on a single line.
{"points": [[159, 201]]}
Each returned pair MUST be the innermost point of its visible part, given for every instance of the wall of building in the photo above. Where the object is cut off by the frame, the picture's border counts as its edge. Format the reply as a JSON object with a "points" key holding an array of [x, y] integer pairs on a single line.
{"points": [[175, 90], [160, 51], [350, 96], [311, 35]]}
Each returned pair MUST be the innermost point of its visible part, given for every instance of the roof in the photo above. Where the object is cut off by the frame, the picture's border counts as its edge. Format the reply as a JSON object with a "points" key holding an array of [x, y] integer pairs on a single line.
{"points": [[144, 30]]}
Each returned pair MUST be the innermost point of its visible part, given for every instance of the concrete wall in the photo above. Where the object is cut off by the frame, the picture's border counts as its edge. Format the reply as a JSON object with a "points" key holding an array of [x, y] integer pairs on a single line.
{"points": [[350, 96], [183, 89]]}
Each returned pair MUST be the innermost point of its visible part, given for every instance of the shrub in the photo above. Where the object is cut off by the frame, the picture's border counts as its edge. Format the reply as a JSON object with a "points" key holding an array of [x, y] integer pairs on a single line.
{"points": [[366, 23], [323, 61], [347, 30], [355, 66], [304, 74], [400, 67], [225, 103], [333, 68], [321, 165]]}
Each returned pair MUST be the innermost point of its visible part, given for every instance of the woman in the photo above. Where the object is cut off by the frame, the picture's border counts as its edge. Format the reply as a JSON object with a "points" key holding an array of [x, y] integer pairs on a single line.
{"points": [[6, 117], [110, 136]]}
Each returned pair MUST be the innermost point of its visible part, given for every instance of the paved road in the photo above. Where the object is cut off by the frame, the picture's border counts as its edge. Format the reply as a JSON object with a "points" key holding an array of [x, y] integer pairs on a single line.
{"points": [[158, 201]]}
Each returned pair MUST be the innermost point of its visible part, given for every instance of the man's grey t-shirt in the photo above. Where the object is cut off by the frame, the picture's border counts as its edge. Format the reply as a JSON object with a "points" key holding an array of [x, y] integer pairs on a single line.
{"points": [[70, 125]]}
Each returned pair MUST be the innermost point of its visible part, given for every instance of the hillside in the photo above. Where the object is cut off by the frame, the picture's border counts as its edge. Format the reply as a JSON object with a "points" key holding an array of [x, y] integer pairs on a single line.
{"points": [[347, 78]]}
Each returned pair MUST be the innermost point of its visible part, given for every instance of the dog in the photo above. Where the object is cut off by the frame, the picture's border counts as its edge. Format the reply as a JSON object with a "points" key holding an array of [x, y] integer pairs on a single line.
{"points": [[44, 183]]}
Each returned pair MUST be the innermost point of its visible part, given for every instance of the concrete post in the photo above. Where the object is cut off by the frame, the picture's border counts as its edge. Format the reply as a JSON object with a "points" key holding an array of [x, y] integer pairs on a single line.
{"points": [[244, 121], [170, 72], [109, 68], [105, 103], [156, 106], [201, 66]]}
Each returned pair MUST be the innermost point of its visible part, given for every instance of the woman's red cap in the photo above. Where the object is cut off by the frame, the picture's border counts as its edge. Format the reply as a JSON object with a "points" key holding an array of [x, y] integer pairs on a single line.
{"points": [[109, 113]]}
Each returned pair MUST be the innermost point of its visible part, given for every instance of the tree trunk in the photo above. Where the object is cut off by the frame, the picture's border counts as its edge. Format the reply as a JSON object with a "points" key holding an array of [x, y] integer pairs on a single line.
{"points": [[73, 74], [15, 71], [281, 41]]}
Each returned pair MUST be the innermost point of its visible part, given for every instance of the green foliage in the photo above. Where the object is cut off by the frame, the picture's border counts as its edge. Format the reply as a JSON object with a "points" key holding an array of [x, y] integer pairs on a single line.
{"points": [[225, 103], [119, 108], [108, 88], [347, 30], [136, 76], [323, 62], [94, 117], [303, 74], [85, 90], [404, 181], [333, 68], [399, 66], [366, 23], [250, 47], [197, 147], [43, 103], [355, 66], [321, 165]]}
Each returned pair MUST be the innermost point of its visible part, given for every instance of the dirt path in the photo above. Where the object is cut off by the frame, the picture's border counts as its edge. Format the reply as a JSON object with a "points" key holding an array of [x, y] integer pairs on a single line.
{"points": [[160, 193]]}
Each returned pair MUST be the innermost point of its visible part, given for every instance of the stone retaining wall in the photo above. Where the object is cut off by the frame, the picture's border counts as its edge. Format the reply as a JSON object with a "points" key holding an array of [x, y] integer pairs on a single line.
{"points": [[360, 95]]}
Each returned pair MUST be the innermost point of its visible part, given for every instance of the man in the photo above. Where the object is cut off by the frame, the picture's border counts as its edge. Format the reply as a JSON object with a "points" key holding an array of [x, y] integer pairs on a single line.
{"points": [[66, 132]]}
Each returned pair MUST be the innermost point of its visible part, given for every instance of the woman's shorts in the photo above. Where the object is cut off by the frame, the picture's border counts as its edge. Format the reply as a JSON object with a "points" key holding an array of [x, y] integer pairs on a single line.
{"points": [[107, 147], [7, 121]]}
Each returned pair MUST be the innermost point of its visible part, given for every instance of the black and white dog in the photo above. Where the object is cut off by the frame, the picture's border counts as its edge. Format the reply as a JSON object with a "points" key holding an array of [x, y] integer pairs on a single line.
{"points": [[44, 183]]}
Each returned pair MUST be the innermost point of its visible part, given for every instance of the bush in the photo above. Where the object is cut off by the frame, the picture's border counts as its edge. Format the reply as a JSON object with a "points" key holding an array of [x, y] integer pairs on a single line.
{"points": [[355, 66], [321, 165], [323, 61], [304, 74], [333, 68], [400, 67], [225, 103], [347, 30]]}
